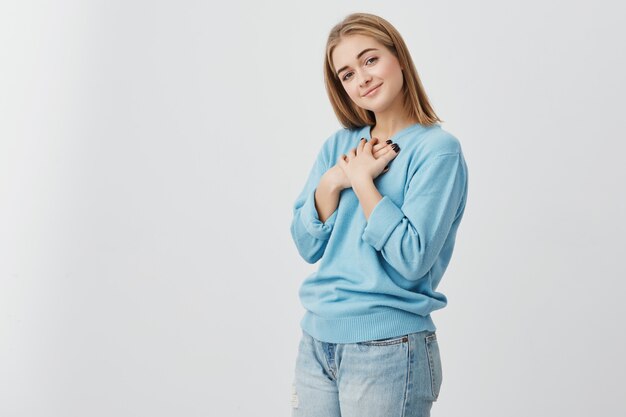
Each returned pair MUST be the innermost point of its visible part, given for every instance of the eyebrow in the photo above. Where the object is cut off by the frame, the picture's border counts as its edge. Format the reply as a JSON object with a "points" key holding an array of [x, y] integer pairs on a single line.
{"points": [[357, 57]]}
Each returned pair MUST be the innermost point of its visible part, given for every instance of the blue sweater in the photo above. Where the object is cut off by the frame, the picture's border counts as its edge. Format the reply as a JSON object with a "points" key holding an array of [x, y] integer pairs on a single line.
{"points": [[377, 278]]}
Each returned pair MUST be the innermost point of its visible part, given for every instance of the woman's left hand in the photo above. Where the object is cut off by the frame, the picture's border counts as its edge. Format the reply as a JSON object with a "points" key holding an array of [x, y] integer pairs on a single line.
{"points": [[359, 163]]}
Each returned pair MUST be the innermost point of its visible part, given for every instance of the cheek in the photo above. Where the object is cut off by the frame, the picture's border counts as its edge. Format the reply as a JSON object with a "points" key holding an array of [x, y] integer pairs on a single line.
{"points": [[392, 73], [352, 91], [394, 78]]}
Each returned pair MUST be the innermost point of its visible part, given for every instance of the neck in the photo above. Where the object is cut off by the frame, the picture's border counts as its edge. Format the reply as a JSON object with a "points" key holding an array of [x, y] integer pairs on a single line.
{"points": [[391, 120], [387, 127]]}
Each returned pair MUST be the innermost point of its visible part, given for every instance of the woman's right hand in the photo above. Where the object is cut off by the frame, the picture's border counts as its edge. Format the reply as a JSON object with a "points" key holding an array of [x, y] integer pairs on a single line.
{"points": [[336, 176]]}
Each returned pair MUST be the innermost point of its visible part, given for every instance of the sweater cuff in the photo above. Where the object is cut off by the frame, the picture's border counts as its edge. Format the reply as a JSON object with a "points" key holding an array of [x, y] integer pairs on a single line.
{"points": [[311, 219], [382, 221]]}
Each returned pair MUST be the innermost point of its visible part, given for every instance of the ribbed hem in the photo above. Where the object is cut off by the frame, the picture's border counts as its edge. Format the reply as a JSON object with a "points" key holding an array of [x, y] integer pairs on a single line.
{"points": [[382, 222], [311, 220], [388, 323]]}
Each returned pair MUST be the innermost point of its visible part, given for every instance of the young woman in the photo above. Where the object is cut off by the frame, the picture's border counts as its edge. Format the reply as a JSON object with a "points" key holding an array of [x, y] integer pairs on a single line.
{"points": [[380, 211]]}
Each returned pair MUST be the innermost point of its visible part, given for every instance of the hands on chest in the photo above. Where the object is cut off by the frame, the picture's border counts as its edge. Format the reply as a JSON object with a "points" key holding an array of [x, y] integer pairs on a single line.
{"points": [[364, 163]]}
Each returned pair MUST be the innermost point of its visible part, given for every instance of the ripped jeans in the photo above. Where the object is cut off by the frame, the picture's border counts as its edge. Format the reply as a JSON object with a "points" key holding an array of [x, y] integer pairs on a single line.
{"points": [[399, 376]]}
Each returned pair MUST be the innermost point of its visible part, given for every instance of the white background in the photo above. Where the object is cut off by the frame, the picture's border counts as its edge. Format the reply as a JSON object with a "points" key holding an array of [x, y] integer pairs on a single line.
{"points": [[150, 154]]}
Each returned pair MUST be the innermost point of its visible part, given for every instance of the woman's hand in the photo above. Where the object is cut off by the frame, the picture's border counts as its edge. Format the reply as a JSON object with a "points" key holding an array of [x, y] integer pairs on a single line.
{"points": [[337, 175], [360, 162]]}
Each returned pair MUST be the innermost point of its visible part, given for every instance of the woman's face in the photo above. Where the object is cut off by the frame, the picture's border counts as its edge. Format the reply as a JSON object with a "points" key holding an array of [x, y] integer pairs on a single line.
{"points": [[362, 64]]}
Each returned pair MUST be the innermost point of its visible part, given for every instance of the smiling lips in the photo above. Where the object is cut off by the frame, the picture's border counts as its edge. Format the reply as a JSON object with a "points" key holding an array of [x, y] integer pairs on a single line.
{"points": [[372, 90]]}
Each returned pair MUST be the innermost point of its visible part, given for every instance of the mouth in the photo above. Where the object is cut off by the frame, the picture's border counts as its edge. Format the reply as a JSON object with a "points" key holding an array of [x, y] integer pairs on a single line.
{"points": [[372, 90]]}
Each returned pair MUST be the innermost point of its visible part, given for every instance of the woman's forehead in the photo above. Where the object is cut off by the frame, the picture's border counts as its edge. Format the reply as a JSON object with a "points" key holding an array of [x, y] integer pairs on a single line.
{"points": [[351, 48]]}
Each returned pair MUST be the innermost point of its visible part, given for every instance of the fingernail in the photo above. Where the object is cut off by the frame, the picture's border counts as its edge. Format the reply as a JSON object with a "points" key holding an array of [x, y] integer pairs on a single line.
{"points": [[388, 141], [395, 147]]}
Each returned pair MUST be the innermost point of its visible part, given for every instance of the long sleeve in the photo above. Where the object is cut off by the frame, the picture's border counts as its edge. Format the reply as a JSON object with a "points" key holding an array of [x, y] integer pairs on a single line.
{"points": [[410, 238], [309, 234]]}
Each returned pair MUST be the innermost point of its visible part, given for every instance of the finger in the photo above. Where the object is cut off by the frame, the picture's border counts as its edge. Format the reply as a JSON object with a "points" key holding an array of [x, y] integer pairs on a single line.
{"points": [[351, 154], [384, 150], [380, 146], [387, 155], [367, 146], [374, 144], [380, 149], [360, 146], [393, 149]]}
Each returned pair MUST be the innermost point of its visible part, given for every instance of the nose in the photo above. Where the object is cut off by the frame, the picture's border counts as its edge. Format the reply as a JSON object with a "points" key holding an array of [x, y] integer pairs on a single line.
{"points": [[364, 78]]}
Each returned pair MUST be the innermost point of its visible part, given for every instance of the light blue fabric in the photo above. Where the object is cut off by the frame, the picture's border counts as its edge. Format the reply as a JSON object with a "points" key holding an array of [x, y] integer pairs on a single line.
{"points": [[377, 278], [399, 376]]}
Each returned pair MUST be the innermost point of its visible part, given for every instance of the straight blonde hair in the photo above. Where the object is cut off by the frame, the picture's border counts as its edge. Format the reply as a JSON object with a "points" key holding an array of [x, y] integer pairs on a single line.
{"points": [[416, 103]]}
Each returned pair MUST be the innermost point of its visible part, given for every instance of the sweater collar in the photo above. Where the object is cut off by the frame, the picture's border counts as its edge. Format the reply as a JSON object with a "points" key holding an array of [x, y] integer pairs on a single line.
{"points": [[366, 131]]}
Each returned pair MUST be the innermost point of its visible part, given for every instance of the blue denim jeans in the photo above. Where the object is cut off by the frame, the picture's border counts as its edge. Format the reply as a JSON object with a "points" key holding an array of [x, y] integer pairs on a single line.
{"points": [[398, 376]]}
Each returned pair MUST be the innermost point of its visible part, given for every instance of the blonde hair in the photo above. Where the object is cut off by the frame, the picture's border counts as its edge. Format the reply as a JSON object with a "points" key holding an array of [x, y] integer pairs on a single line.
{"points": [[416, 103]]}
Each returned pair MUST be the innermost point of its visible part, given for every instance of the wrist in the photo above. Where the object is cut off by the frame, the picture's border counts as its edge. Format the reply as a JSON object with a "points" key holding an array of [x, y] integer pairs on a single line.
{"points": [[327, 183], [361, 180]]}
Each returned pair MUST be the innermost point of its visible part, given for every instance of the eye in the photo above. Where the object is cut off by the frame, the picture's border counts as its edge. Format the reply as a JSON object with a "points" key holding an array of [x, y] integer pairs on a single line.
{"points": [[372, 59]]}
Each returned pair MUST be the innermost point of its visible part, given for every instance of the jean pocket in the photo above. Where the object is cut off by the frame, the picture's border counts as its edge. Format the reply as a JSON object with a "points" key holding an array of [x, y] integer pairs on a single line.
{"points": [[434, 362], [385, 342]]}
